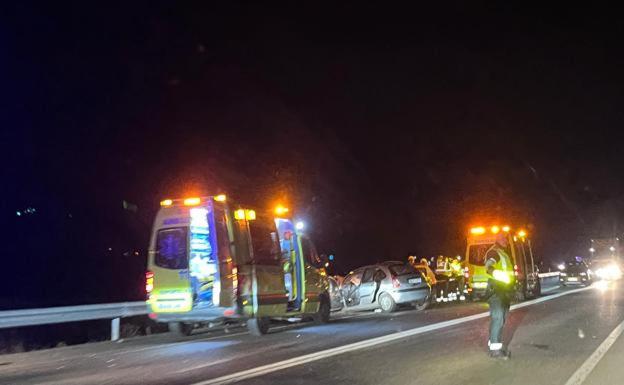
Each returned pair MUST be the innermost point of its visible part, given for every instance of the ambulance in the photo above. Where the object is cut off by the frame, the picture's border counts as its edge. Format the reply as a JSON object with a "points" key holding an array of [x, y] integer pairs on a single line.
{"points": [[480, 240], [211, 262]]}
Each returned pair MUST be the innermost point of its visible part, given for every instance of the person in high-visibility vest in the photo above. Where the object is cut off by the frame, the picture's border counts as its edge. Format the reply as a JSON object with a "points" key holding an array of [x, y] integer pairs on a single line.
{"points": [[500, 289], [458, 275]]}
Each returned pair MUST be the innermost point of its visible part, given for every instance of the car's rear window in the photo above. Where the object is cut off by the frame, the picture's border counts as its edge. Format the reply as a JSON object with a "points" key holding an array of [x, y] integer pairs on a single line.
{"points": [[400, 269], [171, 248], [576, 267]]}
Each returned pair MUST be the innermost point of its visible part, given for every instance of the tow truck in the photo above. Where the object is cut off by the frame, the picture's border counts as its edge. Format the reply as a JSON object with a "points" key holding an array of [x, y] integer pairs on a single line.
{"points": [[480, 240], [209, 263]]}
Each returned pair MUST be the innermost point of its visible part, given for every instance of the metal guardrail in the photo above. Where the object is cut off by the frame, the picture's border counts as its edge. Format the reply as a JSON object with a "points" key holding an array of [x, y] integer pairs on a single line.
{"points": [[62, 314], [112, 311], [547, 275], [549, 281]]}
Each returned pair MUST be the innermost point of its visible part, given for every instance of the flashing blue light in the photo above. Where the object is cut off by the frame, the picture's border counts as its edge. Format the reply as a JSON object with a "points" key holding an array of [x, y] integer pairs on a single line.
{"points": [[331, 257]]}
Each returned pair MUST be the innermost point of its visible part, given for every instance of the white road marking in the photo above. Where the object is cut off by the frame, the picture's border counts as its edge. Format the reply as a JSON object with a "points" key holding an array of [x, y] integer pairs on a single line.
{"points": [[236, 357], [584, 370], [281, 365]]}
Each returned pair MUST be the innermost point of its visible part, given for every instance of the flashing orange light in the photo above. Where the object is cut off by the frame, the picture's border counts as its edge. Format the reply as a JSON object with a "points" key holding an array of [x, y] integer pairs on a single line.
{"points": [[239, 214], [250, 215], [149, 282], [220, 198], [166, 203], [495, 229], [192, 201], [522, 233], [477, 230], [281, 210], [506, 229]]}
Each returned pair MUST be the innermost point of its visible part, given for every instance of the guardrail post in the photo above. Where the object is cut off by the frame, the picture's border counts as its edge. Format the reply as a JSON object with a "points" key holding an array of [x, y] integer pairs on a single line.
{"points": [[115, 329]]}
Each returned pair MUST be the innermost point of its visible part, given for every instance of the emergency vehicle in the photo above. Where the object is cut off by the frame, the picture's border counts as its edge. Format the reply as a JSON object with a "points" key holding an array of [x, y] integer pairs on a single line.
{"points": [[209, 263], [480, 240]]}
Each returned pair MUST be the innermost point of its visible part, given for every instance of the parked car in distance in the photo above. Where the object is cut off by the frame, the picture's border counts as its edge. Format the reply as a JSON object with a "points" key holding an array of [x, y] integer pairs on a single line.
{"points": [[575, 273]]}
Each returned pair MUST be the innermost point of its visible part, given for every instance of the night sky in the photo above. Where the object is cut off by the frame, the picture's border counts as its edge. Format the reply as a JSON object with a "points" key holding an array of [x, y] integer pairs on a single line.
{"points": [[391, 131]]}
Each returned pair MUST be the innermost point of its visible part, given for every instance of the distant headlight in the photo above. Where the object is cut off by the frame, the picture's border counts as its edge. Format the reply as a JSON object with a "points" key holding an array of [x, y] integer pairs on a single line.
{"points": [[583, 273], [609, 272], [561, 266]]}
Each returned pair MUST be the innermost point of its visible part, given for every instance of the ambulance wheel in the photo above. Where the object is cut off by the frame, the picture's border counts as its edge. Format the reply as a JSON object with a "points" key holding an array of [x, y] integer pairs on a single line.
{"points": [[181, 328], [386, 302], [258, 326], [323, 313]]}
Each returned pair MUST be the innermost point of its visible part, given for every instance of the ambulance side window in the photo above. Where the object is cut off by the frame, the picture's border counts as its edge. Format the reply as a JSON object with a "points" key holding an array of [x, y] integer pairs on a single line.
{"points": [[223, 239], [309, 252], [265, 243]]}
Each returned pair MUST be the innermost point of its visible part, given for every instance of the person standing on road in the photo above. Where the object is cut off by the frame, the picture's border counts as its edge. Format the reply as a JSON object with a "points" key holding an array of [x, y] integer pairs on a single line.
{"points": [[499, 292]]}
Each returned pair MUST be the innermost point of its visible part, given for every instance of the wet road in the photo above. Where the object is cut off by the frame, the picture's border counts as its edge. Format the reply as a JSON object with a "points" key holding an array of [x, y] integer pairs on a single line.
{"points": [[553, 339]]}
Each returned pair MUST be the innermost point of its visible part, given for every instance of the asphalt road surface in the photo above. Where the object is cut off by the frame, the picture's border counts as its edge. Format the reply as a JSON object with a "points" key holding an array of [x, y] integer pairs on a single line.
{"points": [[571, 336]]}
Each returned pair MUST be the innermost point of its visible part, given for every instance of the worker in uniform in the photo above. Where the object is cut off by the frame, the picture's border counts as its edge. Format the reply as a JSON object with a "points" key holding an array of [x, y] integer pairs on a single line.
{"points": [[500, 289], [458, 275]]}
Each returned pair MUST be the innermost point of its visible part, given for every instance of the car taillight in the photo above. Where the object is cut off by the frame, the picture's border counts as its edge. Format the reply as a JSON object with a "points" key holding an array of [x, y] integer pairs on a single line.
{"points": [[466, 272], [149, 282], [395, 282]]}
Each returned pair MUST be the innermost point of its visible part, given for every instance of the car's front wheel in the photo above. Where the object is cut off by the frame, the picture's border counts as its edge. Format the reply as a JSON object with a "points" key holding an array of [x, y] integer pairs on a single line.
{"points": [[386, 302]]}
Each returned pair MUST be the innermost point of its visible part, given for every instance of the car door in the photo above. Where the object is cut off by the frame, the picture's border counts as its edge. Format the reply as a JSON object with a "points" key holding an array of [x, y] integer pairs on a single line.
{"points": [[367, 287], [350, 288]]}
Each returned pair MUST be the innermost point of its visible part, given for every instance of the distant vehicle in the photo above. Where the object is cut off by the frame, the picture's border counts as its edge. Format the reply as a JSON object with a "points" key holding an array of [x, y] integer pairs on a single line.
{"points": [[385, 286], [575, 273], [481, 240], [607, 269], [208, 264]]}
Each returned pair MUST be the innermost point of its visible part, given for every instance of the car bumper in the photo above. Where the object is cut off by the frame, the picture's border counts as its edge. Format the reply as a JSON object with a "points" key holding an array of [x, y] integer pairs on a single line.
{"points": [[478, 288], [208, 314], [410, 295], [574, 280]]}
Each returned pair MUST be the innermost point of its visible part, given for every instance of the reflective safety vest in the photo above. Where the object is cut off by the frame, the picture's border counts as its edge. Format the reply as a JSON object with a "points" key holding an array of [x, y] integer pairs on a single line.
{"points": [[503, 268], [456, 267]]}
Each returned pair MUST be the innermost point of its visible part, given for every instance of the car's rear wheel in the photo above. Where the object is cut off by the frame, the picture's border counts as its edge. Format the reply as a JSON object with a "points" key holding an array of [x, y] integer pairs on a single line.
{"points": [[422, 305], [181, 328], [386, 302]]}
